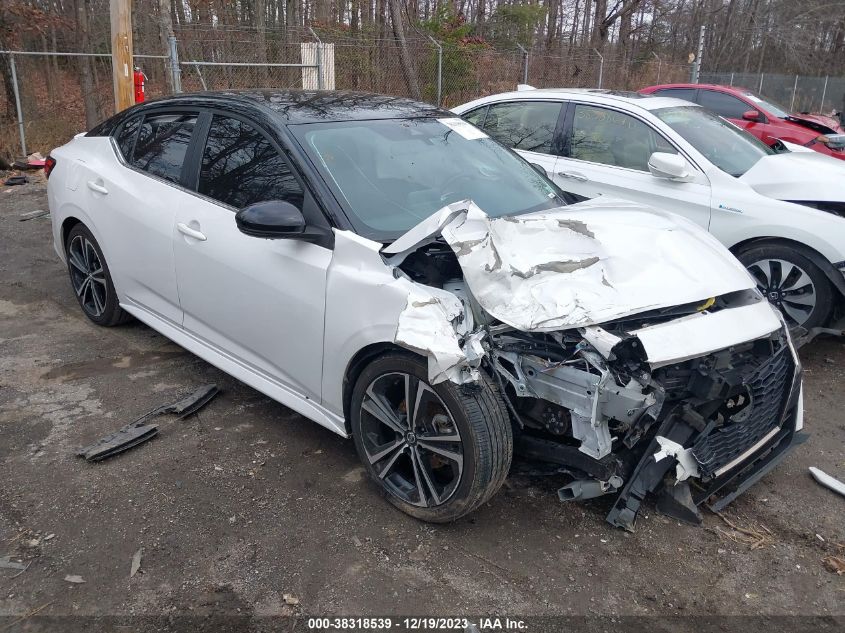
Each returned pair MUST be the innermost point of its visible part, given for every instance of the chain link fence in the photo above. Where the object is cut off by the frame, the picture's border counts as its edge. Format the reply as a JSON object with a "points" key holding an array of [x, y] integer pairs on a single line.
{"points": [[795, 93], [65, 93]]}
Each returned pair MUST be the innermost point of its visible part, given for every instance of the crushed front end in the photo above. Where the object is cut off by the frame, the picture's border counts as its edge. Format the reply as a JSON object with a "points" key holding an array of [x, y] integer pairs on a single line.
{"points": [[621, 365], [697, 431]]}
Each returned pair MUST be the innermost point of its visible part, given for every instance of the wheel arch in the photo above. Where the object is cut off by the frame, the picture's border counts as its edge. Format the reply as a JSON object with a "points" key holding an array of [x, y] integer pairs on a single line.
{"points": [[358, 363], [67, 225], [835, 277]]}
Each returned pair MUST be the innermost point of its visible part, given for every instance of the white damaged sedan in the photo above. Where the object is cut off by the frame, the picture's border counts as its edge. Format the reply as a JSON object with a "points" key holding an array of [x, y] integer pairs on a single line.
{"points": [[395, 275]]}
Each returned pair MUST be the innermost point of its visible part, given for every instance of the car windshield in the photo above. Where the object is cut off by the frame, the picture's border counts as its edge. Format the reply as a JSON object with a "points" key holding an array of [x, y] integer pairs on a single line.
{"points": [[729, 148], [391, 174], [767, 104]]}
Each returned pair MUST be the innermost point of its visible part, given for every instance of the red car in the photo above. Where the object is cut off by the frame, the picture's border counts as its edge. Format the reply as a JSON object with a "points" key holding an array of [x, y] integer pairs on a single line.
{"points": [[761, 117]]}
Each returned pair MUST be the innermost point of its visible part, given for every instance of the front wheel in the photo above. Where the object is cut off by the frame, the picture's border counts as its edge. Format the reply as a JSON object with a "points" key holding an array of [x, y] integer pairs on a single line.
{"points": [[436, 451], [791, 283]]}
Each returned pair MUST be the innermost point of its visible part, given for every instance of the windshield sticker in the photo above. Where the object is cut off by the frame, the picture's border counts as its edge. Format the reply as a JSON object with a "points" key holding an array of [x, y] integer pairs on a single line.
{"points": [[467, 130]]}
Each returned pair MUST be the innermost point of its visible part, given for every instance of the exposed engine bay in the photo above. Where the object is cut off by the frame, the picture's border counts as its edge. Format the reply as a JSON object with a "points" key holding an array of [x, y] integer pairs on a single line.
{"points": [[631, 406]]}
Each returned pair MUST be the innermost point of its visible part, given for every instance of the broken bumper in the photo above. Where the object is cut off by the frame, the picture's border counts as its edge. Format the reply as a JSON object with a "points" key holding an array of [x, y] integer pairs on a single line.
{"points": [[729, 463]]}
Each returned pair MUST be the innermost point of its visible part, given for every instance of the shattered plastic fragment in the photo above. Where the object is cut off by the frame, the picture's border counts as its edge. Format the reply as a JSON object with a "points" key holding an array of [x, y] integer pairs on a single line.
{"points": [[687, 466]]}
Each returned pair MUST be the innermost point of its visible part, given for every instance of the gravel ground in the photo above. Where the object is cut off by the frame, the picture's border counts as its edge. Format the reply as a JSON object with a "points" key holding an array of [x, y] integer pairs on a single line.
{"points": [[249, 509]]}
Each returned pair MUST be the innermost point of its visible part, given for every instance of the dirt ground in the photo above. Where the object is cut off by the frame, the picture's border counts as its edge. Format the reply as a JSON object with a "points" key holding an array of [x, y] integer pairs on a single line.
{"points": [[249, 509]]}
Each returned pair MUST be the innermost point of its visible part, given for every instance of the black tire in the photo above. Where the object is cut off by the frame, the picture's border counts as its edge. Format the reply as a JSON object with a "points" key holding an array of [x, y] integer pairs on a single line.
{"points": [[475, 411], [93, 290], [791, 293]]}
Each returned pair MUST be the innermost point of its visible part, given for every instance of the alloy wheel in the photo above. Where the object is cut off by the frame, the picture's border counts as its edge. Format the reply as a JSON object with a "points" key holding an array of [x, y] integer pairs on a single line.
{"points": [[411, 440], [787, 287], [87, 276]]}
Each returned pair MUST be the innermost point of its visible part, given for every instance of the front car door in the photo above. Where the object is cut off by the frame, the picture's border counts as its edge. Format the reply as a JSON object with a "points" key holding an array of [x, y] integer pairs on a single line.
{"points": [[532, 128], [259, 300], [606, 151], [139, 199]]}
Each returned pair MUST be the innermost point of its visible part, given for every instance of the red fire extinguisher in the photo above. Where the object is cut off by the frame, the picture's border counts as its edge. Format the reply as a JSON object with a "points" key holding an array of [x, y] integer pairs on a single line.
{"points": [[139, 79]]}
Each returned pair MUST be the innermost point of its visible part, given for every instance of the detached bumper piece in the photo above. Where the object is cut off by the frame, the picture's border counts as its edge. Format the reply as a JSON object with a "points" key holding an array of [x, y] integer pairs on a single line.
{"points": [[730, 458], [140, 430]]}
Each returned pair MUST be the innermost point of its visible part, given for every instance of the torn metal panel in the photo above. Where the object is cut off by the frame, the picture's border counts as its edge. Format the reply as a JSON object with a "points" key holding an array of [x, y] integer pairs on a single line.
{"points": [[430, 325], [580, 265]]}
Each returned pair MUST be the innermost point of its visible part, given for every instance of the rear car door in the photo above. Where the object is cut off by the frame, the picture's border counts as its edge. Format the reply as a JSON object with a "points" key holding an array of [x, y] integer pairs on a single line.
{"points": [[606, 151], [259, 300], [532, 128], [139, 199]]}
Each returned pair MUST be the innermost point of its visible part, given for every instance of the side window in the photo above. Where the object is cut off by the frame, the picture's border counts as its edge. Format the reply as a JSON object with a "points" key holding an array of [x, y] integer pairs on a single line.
{"points": [[162, 144], [723, 104], [613, 138], [477, 116], [526, 125], [125, 136], [240, 167], [687, 94]]}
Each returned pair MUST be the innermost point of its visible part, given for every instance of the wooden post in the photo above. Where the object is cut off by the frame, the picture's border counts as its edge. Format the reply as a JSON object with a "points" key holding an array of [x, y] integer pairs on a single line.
{"points": [[121, 53]]}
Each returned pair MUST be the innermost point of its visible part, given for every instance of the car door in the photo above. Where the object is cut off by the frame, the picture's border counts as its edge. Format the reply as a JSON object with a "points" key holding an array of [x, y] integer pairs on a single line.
{"points": [[138, 198], [530, 127], [606, 151], [261, 301]]}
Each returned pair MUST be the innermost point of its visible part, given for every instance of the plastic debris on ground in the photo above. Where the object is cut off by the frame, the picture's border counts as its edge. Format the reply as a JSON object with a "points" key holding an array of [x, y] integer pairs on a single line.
{"points": [[140, 431]]}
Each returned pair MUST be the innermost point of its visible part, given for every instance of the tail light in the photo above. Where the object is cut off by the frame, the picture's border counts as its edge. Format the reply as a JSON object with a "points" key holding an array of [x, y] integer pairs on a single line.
{"points": [[49, 163]]}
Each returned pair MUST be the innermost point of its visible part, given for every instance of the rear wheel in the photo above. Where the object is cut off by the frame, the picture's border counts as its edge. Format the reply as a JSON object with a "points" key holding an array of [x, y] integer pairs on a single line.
{"points": [[436, 451], [791, 282], [90, 278]]}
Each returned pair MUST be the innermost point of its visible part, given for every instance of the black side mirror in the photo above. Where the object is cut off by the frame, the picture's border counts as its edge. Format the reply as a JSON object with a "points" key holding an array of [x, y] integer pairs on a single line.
{"points": [[272, 220]]}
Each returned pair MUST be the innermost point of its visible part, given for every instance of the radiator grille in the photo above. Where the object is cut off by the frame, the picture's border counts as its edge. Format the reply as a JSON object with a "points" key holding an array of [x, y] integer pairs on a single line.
{"points": [[768, 387]]}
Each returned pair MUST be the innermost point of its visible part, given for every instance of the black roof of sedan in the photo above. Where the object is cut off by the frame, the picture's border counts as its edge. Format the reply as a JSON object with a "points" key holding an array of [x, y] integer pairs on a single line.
{"points": [[310, 106]]}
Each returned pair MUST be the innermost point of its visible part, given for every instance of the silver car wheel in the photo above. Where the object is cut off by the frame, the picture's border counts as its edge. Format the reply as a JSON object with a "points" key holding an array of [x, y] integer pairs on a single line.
{"points": [[411, 440], [787, 287]]}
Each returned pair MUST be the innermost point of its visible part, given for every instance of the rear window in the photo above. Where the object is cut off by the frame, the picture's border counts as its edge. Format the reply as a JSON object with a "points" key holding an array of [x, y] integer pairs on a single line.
{"points": [[162, 144], [125, 136]]}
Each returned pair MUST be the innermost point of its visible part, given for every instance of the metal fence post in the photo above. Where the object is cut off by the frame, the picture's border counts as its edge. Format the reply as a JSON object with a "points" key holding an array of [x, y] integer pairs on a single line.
{"points": [[524, 63], [439, 68], [824, 94], [760, 87], [601, 65], [319, 59], [794, 90], [696, 68], [18, 103], [732, 79], [175, 70]]}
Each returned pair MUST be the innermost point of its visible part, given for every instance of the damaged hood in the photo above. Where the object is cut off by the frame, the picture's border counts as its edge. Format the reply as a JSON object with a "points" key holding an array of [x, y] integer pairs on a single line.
{"points": [[823, 123], [579, 265], [799, 176]]}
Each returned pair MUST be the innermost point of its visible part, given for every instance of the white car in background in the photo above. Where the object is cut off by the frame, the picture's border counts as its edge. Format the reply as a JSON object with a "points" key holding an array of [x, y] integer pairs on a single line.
{"points": [[781, 211]]}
